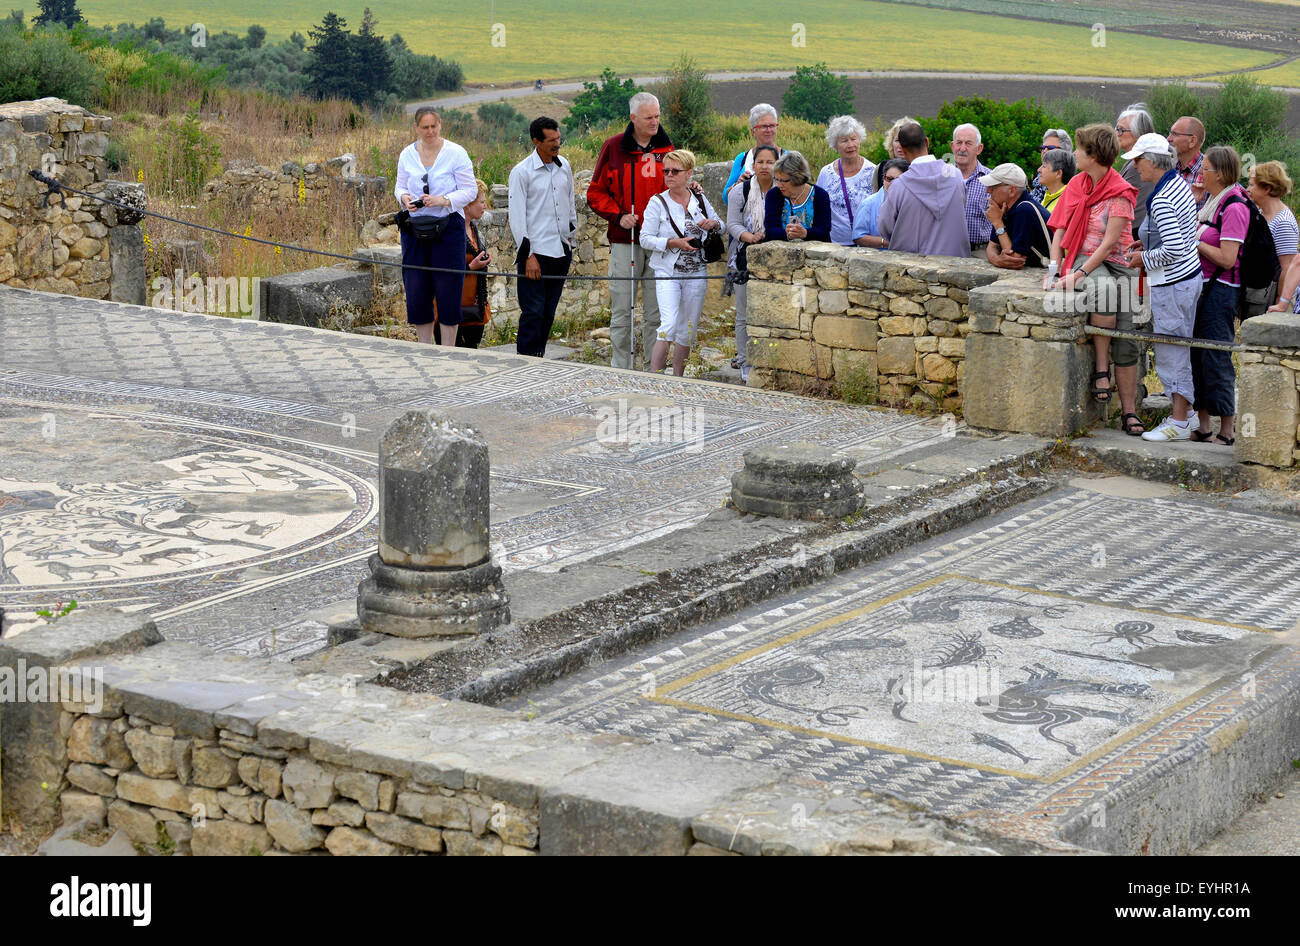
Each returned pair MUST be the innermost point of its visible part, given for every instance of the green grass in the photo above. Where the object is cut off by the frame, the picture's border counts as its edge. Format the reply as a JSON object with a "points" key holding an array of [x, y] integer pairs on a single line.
{"points": [[1288, 75], [575, 38]]}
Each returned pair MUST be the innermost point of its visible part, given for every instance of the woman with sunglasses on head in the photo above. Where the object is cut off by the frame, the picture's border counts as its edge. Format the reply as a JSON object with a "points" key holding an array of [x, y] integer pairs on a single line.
{"points": [[435, 182]]}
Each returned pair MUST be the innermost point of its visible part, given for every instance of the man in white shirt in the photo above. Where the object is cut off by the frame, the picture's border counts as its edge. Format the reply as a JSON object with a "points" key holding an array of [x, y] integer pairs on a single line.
{"points": [[543, 218]]}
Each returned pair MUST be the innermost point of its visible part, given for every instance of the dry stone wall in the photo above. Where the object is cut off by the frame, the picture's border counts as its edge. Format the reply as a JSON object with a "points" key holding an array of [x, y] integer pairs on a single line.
{"points": [[74, 245], [1268, 391], [258, 189]]}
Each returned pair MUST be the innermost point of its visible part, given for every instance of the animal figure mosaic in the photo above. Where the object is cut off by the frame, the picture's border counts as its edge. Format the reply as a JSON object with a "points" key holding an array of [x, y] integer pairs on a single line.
{"points": [[993, 742], [1033, 702]]}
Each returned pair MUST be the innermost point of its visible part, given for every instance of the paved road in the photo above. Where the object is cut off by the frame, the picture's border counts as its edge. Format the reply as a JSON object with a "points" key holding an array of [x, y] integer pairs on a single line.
{"points": [[493, 94]]}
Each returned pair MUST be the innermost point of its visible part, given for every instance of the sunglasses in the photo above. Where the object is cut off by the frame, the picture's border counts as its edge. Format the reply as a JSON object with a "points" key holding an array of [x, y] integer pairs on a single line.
{"points": [[425, 178], [668, 171], [1043, 149]]}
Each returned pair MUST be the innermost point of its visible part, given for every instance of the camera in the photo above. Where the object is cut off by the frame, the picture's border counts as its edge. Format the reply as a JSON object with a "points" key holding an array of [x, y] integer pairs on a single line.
{"points": [[695, 243]]}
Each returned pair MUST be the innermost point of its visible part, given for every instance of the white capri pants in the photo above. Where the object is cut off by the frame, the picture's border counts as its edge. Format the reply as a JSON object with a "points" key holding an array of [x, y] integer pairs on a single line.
{"points": [[1173, 312], [680, 303]]}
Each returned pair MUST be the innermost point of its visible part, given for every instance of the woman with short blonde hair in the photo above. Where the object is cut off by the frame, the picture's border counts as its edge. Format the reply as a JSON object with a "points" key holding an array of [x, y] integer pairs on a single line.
{"points": [[1269, 183]]}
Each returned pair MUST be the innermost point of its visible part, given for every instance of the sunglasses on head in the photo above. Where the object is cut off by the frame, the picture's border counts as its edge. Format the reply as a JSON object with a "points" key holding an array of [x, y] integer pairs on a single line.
{"points": [[1043, 149]]}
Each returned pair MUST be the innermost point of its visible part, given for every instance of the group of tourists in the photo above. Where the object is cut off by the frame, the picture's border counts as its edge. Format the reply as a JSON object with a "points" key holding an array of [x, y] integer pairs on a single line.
{"points": [[1173, 230]]}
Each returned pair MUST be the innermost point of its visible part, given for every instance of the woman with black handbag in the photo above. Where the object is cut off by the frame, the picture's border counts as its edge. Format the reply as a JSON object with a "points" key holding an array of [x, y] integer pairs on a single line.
{"points": [[435, 181], [684, 235]]}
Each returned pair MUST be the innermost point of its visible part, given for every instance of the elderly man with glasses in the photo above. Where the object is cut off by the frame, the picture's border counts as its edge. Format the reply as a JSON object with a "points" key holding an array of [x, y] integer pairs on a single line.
{"points": [[762, 125], [1187, 135]]}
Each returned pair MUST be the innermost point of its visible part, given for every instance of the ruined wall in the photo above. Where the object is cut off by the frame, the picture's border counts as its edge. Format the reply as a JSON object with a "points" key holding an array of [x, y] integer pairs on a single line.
{"points": [[1268, 378], [77, 246], [258, 189]]}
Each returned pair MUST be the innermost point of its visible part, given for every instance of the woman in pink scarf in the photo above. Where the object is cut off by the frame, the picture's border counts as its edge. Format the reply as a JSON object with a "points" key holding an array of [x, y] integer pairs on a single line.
{"points": [[1093, 224]]}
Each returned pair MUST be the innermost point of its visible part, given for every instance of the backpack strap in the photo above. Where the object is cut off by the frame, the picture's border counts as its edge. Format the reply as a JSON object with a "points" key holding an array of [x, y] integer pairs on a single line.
{"points": [[1218, 225]]}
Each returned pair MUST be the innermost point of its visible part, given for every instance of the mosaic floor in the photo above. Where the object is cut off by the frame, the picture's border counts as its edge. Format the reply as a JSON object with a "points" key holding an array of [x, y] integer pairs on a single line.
{"points": [[1015, 666], [221, 473]]}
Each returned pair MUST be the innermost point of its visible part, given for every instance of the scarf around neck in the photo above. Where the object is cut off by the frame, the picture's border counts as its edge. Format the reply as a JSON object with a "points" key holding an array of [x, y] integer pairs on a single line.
{"points": [[1074, 206]]}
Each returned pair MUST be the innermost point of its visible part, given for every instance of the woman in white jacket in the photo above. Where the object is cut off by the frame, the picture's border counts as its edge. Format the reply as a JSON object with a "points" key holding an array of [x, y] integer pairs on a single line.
{"points": [[676, 222]]}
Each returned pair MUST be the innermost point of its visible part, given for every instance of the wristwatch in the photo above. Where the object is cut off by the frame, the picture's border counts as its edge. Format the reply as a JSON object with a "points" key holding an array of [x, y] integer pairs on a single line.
{"points": [[999, 231]]}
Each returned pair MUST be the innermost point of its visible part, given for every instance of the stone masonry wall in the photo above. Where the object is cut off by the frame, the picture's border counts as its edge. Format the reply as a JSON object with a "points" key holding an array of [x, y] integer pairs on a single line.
{"points": [[258, 189], [1268, 391], [892, 321], [76, 246]]}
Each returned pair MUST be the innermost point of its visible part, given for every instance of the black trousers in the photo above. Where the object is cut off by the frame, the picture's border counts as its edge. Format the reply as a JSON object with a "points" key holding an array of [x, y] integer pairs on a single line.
{"points": [[538, 300]]}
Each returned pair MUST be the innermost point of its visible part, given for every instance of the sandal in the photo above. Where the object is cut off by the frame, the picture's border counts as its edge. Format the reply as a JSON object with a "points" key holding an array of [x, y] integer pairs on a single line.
{"points": [[1202, 436], [1228, 442], [1134, 427], [735, 362], [1101, 394]]}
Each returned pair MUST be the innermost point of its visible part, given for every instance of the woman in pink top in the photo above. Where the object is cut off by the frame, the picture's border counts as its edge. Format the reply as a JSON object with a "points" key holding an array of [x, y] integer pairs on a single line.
{"points": [[1225, 218], [1093, 224]]}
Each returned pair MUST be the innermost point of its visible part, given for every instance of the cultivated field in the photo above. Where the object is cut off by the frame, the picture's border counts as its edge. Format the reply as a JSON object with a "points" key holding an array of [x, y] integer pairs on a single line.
{"points": [[577, 38]]}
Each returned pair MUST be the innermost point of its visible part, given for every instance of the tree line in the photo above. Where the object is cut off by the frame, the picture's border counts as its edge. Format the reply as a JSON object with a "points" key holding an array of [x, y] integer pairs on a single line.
{"points": [[331, 61]]}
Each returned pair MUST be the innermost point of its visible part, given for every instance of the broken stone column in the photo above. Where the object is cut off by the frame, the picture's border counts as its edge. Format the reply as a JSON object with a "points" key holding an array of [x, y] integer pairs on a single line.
{"points": [[797, 481], [434, 574]]}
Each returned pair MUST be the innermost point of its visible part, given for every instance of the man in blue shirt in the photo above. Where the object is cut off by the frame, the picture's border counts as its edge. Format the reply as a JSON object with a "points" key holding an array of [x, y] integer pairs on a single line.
{"points": [[1018, 223]]}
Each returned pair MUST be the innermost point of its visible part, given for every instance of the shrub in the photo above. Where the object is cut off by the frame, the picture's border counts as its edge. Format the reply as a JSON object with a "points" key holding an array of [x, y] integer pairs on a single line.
{"points": [[598, 105], [1169, 101], [502, 122], [685, 104], [194, 152], [1074, 111], [45, 63], [494, 167], [816, 95], [1242, 112], [1011, 131]]}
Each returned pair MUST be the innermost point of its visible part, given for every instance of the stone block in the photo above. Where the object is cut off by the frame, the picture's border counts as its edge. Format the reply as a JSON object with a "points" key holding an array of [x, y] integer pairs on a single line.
{"points": [[831, 277], [1027, 386], [126, 261], [926, 344], [212, 768], [777, 258], [514, 826], [938, 368], [895, 325], [155, 793], [312, 296], [1267, 404], [832, 301], [436, 810], [229, 839], [362, 787], [836, 331], [773, 305], [83, 806], [952, 347], [97, 740], [860, 366], [136, 823], [153, 754], [291, 827], [307, 785], [901, 305], [896, 355], [792, 354], [403, 831], [353, 842], [1273, 329], [464, 844], [92, 779], [943, 308]]}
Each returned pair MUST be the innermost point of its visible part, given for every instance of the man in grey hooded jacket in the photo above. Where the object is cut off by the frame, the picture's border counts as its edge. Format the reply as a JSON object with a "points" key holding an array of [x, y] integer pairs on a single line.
{"points": [[925, 209]]}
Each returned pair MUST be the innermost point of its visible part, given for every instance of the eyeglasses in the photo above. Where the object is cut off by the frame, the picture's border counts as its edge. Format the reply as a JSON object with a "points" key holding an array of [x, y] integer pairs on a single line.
{"points": [[425, 178], [1120, 130], [771, 127], [781, 180], [1180, 134], [668, 171], [1043, 149]]}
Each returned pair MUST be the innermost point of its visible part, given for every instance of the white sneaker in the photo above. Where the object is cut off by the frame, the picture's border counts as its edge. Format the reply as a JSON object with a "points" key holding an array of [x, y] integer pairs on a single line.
{"points": [[1168, 430]]}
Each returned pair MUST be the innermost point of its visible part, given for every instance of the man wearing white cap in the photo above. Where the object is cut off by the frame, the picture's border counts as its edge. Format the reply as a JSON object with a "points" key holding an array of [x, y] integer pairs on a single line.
{"points": [[1018, 223], [1166, 245]]}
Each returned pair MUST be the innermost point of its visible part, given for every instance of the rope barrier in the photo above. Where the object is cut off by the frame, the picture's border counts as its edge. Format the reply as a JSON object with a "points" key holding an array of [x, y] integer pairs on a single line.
{"points": [[57, 187]]}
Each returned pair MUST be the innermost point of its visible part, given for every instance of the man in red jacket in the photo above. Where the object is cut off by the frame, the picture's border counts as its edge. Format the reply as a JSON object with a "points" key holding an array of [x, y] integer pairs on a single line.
{"points": [[628, 173]]}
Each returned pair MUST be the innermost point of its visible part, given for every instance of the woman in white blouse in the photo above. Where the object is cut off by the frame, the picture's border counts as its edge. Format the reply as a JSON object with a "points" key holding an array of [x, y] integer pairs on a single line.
{"points": [[676, 222], [435, 182], [849, 179]]}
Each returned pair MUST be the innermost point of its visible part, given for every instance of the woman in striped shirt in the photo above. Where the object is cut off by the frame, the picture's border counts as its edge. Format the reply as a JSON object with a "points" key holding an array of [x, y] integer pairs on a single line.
{"points": [[1269, 184], [1166, 246]]}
